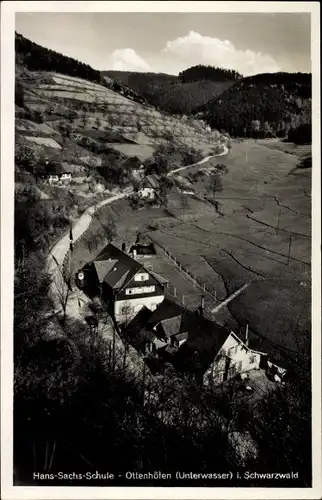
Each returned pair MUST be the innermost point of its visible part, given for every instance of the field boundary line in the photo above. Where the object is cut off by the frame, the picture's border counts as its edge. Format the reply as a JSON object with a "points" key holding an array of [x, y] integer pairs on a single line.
{"points": [[184, 270]]}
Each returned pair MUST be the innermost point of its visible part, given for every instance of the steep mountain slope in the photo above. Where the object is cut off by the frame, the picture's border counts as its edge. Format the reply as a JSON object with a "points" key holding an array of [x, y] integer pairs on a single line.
{"points": [[266, 102], [37, 58], [51, 87]]}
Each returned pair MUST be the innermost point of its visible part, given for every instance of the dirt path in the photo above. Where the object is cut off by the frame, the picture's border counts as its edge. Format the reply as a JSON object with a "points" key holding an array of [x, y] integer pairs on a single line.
{"points": [[204, 160]]}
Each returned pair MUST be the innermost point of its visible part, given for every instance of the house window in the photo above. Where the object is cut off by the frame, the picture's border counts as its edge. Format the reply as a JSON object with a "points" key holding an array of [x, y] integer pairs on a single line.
{"points": [[232, 351], [141, 277], [140, 290], [252, 358]]}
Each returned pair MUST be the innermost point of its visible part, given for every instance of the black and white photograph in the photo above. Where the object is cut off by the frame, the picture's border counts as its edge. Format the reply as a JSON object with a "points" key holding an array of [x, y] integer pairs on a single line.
{"points": [[160, 216]]}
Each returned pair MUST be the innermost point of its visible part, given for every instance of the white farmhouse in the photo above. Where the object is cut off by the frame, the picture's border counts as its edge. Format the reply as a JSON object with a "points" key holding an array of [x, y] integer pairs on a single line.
{"points": [[147, 193], [234, 358]]}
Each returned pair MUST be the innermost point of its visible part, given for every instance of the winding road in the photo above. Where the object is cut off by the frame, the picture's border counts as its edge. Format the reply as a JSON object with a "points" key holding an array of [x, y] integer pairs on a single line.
{"points": [[204, 160]]}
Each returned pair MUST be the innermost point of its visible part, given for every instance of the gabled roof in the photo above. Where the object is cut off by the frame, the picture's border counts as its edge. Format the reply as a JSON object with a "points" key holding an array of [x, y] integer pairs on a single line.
{"points": [[103, 267], [159, 344], [54, 168], [205, 338], [171, 326], [159, 278], [133, 162], [181, 336], [143, 249], [120, 267], [153, 180], [139, 322], [167, 309]]}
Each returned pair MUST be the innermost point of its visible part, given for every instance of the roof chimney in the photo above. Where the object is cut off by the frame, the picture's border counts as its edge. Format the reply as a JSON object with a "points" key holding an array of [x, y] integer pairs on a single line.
{"points": [[202, 305], [123, 247]]}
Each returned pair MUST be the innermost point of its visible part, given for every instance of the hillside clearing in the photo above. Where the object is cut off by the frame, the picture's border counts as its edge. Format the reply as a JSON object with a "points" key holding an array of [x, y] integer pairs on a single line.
{"points": [[44, 141]]}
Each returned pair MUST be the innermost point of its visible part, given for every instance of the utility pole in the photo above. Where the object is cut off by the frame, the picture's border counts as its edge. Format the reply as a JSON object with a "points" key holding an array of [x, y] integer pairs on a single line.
{"points": [[289, 250], [70, 257], [246, 335]]}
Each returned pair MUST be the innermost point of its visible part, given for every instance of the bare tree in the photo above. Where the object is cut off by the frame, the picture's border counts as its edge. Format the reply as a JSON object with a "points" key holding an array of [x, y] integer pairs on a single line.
{"points": [[215, 184], [63, 288], [183, 204]]}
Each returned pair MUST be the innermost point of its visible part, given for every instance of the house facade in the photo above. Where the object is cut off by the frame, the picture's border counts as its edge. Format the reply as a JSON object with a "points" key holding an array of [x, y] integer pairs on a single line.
{"points": [[147, 193], [234, 358], [143, 290]]}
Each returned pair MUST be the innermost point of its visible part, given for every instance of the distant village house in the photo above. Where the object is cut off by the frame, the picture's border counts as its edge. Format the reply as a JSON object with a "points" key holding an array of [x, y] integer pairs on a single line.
{"points": [[55, 172]]}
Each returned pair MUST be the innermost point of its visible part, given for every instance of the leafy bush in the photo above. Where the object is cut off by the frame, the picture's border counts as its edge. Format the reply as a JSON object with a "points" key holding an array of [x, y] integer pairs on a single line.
{"points": [[19, 94], [301, 134], [25, 157]]}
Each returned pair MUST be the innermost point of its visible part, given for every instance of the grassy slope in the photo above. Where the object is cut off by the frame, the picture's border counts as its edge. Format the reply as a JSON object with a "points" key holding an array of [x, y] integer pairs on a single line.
{"points": [[113, 109]]}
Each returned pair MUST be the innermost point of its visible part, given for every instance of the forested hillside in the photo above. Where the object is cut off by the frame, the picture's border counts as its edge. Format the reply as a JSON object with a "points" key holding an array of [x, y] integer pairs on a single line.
{"points": [[201, 72], [180, 94], [264, 105], [261, 105]]}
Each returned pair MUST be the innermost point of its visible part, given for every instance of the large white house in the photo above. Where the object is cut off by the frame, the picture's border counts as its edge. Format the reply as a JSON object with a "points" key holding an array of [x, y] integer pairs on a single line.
{"points": [[123, 282]]}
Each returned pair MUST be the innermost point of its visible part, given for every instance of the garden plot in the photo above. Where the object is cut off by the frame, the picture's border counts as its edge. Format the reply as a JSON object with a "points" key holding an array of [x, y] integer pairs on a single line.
{"points": [[44, 141], [77, 82], [143, 152], [288, 147], [92, 160]]}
